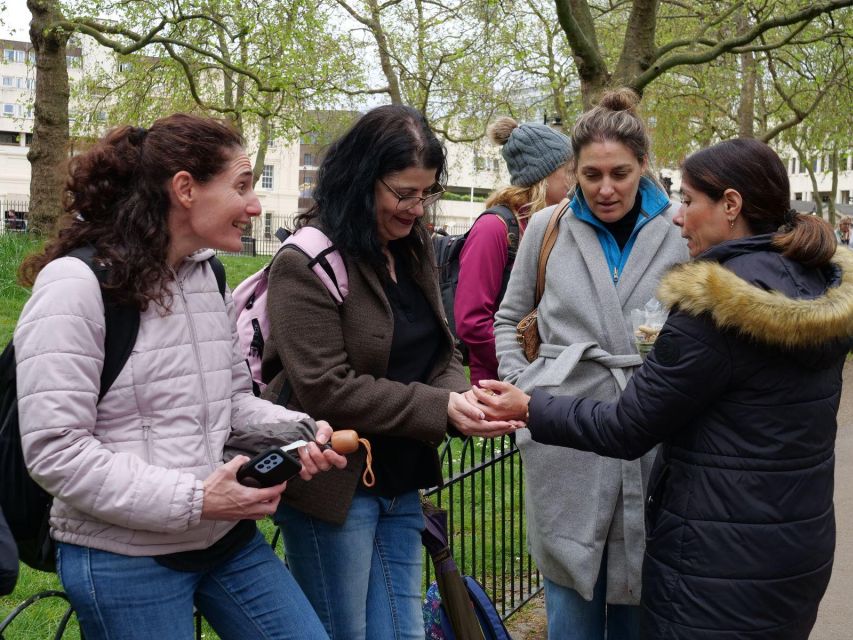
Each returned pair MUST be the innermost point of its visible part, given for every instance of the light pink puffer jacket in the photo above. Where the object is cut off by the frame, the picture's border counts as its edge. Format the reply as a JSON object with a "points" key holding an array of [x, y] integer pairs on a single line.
{"points": [[127, 473]]}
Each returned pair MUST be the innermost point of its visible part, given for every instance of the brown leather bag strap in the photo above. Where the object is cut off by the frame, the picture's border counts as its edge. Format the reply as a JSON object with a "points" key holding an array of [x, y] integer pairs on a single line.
{"points": [[547, 244]]}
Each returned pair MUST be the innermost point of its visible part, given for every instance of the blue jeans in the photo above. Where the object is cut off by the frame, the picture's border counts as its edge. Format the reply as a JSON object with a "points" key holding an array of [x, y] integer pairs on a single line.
{"points": [[363, 577], [250, 596], [570, 617]]}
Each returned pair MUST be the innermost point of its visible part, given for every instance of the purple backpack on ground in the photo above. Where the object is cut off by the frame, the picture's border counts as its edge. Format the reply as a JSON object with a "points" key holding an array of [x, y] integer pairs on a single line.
{"points": [[250, 296]]}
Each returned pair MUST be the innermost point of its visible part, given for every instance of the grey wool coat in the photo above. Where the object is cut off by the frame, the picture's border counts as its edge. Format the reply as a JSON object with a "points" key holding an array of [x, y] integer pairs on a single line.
{"points": [[578, 503]]}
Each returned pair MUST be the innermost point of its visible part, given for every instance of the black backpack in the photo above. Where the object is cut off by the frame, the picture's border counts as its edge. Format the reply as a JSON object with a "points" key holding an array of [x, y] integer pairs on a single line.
{"points": [[24, 503], [447, 252]]}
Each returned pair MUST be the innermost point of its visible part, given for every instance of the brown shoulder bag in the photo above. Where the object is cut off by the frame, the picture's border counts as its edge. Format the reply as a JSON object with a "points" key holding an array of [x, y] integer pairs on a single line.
{"points": [[527, 330]]}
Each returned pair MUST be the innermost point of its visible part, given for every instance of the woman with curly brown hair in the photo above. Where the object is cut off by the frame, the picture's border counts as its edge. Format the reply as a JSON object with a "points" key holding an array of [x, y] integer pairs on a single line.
{"points": [[148, 520]]}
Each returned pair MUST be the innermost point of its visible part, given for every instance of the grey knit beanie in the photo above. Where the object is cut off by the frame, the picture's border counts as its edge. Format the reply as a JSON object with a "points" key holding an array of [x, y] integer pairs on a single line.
{"points": [[531, 151]]}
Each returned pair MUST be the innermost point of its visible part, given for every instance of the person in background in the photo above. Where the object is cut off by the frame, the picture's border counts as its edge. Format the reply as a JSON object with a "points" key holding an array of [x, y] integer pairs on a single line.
{"points": [[148, 520], [585, 511], [742, 388], [842, 231], [537, 157], [383, 363]]}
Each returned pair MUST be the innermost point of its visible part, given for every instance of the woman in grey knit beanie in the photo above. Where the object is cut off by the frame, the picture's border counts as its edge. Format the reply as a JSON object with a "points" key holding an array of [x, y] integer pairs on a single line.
{"points": [[537, 157]]}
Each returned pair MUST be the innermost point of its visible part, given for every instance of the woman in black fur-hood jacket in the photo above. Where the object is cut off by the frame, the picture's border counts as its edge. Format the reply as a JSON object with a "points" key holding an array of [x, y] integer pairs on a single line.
{"points": [[742, 388]]}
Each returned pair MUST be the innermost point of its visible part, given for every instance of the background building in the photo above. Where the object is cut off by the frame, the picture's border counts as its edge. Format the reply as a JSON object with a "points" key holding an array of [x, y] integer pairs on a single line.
{"points": [[290, 167]]}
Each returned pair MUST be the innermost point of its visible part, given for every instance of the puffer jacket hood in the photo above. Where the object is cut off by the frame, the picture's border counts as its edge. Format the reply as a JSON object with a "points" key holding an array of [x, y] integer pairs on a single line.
{"points": [[777, 301]]}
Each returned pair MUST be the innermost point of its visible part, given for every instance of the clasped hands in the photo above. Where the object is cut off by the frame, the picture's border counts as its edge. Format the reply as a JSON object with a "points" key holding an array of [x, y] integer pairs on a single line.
{"points": [[489, 410]]}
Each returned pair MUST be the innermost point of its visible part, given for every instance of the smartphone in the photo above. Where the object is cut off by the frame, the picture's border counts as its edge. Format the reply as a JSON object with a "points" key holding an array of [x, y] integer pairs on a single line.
{"points": [[269, 468]]}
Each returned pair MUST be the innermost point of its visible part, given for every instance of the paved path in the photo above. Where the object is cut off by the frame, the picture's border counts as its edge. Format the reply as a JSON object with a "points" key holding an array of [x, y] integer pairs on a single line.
{"points": [[835, 618]]}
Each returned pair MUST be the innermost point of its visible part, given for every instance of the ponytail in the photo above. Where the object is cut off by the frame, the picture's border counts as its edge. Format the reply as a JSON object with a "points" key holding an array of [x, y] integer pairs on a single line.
{"points": [[806, 239]]}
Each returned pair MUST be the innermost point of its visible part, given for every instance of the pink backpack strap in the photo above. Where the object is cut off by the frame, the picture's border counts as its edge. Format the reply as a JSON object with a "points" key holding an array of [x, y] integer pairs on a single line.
{"points": [[324, 259]]}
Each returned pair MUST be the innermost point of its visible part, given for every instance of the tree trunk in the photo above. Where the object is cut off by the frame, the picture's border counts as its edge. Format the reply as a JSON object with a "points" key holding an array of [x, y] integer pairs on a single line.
{"points": [[834, 188], [746, 106], [49, 148], [384, 53]]}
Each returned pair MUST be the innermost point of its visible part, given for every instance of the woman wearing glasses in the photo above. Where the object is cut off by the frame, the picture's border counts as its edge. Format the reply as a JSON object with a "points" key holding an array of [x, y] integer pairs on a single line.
{"points": [[382, 362]]}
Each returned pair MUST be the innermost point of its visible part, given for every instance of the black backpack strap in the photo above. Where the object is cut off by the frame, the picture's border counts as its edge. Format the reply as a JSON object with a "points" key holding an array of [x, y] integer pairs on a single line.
{"points": [[512, 228], [218, 271], [122, 323]]}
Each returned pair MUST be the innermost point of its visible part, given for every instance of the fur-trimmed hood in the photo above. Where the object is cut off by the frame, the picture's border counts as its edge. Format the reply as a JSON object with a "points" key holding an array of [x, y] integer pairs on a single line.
{"points": [[769, 316]]}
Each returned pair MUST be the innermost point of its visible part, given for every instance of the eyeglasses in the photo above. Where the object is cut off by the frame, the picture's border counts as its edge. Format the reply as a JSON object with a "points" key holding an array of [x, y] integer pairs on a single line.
{"points": [[404, 203]]}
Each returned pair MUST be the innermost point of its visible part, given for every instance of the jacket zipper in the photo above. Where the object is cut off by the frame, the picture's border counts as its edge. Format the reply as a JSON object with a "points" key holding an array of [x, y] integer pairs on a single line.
{"points": [[204, 406], [146, 437], [615, 275]]}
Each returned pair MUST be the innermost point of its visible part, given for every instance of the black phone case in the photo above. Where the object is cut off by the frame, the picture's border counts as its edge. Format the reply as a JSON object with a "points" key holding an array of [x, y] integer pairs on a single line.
{"points": [[269, 468]]}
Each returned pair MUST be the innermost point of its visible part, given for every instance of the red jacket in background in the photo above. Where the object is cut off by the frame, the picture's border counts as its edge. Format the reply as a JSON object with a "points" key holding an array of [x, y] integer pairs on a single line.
{"points": [[481, 272]]}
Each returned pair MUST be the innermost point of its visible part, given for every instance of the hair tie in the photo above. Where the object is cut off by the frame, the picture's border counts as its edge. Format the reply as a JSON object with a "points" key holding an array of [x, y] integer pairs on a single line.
{"points": [[791, 217], [136, 135]]}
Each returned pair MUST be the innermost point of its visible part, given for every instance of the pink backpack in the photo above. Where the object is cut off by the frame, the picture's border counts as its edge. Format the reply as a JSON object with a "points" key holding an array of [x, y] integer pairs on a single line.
{"points": [[250, 296]]}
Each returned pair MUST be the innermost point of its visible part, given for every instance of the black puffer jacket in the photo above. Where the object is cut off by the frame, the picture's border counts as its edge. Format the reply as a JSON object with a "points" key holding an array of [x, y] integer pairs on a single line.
{"points": [[742, 388]]}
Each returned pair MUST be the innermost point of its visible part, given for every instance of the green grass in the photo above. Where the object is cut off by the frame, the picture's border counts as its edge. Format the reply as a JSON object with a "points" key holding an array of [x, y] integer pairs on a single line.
{"points": [[14, 247]]}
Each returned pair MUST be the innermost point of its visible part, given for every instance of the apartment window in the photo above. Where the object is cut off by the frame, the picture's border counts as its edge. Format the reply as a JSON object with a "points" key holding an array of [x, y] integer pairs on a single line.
{"points": [[798, 196], [266, 177], [308, 159], [20, 56], [496, 165], [125, 66], [8, 81], [268, 225], [8, 109], [9, 55], [845, 197], [307, 187], [792, 165], [74, 62], [9, 138]]}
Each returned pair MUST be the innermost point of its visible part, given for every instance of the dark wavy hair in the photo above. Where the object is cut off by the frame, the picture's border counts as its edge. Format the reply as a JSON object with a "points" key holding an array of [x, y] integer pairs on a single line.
{"points": [[117, 200], [385, 140], [753, 169]]}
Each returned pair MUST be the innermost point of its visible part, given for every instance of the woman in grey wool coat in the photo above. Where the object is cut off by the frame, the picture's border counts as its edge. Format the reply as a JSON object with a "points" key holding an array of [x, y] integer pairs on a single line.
{"points": [[584, 511]]}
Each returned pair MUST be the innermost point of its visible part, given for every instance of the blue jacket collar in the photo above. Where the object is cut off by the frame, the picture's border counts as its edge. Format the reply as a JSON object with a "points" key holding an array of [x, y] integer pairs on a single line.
{"points": [[653, 203]]}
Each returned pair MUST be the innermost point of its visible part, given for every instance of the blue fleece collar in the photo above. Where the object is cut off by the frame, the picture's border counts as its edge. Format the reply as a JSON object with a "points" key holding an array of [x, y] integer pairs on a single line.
{"points": [[653, 203]]}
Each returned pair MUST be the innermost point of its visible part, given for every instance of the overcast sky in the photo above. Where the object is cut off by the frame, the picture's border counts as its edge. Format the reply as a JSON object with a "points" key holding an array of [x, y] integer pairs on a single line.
{"points": [[16, 20]]}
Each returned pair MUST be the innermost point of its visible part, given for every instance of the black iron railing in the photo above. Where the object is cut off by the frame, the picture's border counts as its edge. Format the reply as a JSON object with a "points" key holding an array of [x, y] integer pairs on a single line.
{"points": [[483, 495], [14, 215]]}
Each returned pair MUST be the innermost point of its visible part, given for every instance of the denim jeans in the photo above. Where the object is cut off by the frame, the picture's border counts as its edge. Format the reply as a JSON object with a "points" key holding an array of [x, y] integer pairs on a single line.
{"points": [[570, 617], [363, 577], [249, 596]]}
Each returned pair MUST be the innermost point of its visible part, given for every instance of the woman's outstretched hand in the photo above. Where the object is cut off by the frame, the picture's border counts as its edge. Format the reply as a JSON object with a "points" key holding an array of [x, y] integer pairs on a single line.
{"points": [[499, 400], [315, 458], [471, 420]]}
